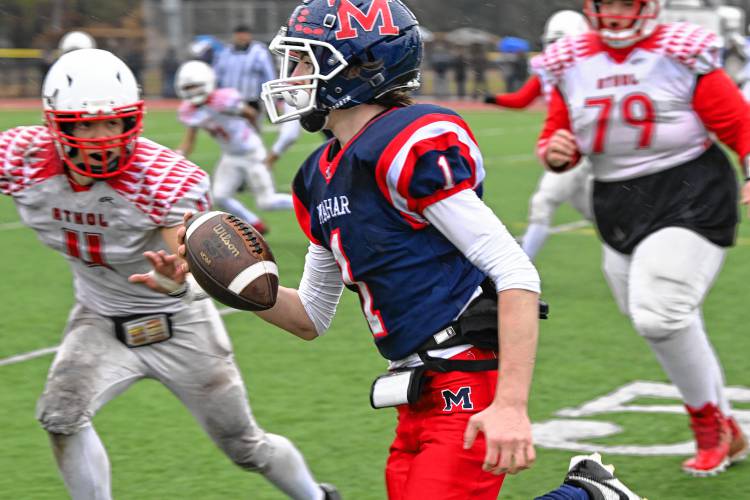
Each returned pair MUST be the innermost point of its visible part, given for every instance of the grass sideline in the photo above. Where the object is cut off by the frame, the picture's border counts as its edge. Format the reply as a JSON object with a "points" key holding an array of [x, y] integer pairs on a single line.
{"points": [[317, 393]]}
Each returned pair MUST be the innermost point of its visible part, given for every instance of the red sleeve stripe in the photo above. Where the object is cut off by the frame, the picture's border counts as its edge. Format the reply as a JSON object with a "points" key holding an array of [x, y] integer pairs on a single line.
{"points": [[303, 218], [396, 164]]}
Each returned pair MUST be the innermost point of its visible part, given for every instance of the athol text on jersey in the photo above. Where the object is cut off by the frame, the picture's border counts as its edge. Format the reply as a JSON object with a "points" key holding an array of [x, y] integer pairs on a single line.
{"points": [[80, 218], [617, 81]]}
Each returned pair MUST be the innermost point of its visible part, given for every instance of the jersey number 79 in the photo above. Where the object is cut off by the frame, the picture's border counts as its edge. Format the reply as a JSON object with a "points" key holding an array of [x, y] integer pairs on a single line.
{"points": [[637, 111]]}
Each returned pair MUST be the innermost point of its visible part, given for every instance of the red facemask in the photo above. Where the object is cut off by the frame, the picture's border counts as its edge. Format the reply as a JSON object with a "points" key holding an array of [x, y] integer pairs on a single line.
{"points": [[111, 154]]}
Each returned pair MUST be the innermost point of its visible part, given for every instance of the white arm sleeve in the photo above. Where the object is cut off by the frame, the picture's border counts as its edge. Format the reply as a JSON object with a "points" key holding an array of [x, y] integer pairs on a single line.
{"points": [[476, 231], [289, 132], [321, 286]]}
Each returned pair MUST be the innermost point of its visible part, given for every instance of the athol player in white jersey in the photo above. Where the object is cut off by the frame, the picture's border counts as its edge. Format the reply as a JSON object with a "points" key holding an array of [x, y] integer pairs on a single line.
{"points": [[101, 195], [573, 186], [640, 100], [229, 121]]}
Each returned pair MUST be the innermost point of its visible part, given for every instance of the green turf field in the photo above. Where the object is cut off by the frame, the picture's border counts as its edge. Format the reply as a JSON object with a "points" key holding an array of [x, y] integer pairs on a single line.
{"points": [[317, 393]]}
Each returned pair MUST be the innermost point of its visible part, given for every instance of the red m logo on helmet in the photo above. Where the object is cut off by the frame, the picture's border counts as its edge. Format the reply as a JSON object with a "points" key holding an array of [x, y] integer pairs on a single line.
{"points": [[349, 11]]}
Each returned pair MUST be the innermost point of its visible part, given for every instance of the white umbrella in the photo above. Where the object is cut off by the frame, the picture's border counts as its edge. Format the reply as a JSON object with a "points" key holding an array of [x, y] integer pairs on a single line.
{"points": [[470, 36]]}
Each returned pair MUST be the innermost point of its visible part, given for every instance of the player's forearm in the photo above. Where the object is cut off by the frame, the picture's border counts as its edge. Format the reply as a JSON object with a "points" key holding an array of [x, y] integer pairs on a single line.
{"points": [[523, 97], [188, 142], [289, 314], [518, 317]]}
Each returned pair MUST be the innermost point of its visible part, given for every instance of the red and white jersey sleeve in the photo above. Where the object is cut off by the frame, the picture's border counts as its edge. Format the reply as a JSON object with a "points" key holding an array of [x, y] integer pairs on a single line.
{"points": [[538, 69], [632, 110], [27, 157], [433, 158], [162, 185], [102, 229]]}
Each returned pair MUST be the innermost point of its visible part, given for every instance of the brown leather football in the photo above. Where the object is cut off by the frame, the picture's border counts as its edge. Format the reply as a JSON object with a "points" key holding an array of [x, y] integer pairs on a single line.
{"points": [[231, 261]]}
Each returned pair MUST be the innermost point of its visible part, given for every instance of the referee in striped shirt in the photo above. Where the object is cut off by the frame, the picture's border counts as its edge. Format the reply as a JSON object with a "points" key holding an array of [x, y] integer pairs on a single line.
{"points": [[244, 65]]}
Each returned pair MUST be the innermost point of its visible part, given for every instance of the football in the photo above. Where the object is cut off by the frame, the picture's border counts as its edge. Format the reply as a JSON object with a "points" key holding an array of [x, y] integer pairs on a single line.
{"points": [[231, 261]]}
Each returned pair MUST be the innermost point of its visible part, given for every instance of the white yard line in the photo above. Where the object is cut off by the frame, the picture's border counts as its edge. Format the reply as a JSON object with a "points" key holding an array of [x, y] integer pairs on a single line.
{"points": [[570, 226], [7, 226], [19, 358], [26, 356]]}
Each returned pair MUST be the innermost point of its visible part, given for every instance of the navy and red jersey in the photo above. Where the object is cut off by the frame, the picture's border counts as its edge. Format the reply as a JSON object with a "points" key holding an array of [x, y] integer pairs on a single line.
{"points": [[365, 203]]}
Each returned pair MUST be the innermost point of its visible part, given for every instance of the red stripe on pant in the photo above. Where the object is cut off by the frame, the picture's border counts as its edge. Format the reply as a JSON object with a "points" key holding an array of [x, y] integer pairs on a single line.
{"points": [[427, 460]]}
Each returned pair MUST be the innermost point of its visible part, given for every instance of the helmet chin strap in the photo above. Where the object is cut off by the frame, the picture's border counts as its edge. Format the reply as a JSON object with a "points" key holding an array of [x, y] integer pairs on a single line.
{"points": [[315, 121]]}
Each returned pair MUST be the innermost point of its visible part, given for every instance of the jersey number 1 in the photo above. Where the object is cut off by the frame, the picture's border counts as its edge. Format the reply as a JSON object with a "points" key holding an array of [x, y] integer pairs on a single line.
{"points": [[630, 104], [373, 316]]}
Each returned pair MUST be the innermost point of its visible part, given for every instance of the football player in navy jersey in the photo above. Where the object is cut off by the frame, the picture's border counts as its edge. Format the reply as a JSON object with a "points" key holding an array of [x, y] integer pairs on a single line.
{"points": [[392, 208]]}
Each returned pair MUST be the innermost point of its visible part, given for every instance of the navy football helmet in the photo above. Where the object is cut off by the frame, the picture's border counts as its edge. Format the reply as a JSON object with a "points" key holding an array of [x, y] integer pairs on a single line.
{"points": [[359, 50]]}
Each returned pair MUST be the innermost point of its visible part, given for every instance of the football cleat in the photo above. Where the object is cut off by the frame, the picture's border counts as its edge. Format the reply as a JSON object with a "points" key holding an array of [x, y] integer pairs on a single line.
{"points": [[713, 437], [598, 480], [739, 447], [330, 492]]}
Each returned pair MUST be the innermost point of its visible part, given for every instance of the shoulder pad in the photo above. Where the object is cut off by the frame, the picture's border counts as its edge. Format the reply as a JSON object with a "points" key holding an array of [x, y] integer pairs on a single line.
{"points": [[157, 179], [27, 157], [225, 98], [564, 53], [693, 46]]}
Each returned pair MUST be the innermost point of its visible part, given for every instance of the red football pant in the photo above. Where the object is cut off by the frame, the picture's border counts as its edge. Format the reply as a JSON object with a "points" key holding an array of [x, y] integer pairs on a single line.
{"points": [[427, 460]]}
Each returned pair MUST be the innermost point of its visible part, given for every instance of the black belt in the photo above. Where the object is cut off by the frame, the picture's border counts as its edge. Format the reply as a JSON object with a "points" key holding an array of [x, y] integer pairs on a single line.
{"points": [[477, 326]]}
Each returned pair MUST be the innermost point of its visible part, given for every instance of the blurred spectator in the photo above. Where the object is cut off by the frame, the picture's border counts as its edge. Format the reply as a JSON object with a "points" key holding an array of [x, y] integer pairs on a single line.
{"points": [[518, 71], [459, 73], [169, 66], [134, 60], [244, 65], [441, 61], [478, 62]]}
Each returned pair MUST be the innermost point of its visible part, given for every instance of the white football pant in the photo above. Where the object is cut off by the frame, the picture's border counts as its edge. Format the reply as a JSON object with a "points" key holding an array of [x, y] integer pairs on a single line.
{"points": [[573, 186], [197, 365], [661, 288], [233, 171]]}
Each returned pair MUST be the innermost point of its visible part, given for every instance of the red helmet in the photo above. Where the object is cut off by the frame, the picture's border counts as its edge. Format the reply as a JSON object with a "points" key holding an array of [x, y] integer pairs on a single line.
{"points": [[644, 22], [86, 86]]}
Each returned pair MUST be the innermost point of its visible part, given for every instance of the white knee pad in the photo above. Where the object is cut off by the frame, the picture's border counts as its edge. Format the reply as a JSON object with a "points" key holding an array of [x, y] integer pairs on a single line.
{"points": [[542, 208], [63, 412], [659, 321], [671, 272]]}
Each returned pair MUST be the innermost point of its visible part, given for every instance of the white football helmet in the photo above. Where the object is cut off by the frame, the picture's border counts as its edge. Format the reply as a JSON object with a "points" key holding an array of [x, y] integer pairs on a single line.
{"points": [[85, 86], [76, 40], [564, 23], [195, 81], [643, 23]]}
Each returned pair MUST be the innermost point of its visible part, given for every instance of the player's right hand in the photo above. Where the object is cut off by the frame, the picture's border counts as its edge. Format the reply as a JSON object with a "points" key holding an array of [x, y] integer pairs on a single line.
{"points": [[562, 149], [168, 273]]}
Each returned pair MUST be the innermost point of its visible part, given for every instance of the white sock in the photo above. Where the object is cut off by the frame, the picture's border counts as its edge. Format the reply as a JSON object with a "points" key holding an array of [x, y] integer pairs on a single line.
{"points": [[692, 365], [276, 201], [287, 470], [234, 207], [83, 463], [534, 238]]}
